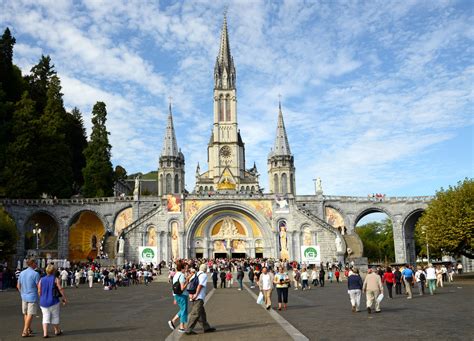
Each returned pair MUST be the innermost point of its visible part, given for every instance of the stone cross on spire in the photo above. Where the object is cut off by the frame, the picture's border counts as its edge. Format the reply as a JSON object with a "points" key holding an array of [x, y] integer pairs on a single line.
{"points": [[170, 146], [281, 147]]}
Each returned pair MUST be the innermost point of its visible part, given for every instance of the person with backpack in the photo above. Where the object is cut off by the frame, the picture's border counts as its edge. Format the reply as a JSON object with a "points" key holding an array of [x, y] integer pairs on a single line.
{"points": [[197, 295], [180, 281], [420, 277]]}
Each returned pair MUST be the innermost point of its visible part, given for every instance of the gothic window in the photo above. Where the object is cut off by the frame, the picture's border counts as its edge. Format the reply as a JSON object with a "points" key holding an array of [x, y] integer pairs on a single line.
{"points": [[284, 183], [160, 185], [227, 108], [276, 187], [176, 183], [292, 190], [221, 109], [169, 188]]}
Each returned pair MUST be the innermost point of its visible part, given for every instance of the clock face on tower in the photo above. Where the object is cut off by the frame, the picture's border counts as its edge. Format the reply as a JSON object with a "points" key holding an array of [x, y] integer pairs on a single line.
{"points": [[225, 153]]}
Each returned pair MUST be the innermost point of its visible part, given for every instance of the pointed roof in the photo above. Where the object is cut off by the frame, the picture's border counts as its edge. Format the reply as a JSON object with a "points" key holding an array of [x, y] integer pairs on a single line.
{"points": [[170, 146], [224, 68], [281, 147]]}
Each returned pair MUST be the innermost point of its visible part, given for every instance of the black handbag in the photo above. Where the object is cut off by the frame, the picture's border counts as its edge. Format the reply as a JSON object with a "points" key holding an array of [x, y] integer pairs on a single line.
{"points": [[56, 292]]}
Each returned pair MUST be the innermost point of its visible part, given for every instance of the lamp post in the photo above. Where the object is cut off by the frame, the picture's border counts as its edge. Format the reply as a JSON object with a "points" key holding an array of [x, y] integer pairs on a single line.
{"points": [[36, 232]]}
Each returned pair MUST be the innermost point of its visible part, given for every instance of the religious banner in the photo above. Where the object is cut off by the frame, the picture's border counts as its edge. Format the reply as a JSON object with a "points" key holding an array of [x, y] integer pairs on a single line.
{"points": [[148, 254], [311, 254], [281, 203], [173, 203]]}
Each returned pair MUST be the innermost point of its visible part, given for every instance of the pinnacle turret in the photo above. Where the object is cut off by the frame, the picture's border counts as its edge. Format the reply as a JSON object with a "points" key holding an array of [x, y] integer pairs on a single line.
{"points": [[170, 146], [224, 70], [281, 146]]}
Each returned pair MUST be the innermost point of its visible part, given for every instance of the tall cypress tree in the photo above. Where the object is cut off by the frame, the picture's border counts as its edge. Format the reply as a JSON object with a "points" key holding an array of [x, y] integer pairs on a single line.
{"points": [[98, 173], [77, 138], [55, 174], [10, 75]]}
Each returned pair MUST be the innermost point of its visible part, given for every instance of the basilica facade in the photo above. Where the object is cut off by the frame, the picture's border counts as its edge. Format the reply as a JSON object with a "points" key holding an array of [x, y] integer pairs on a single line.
{"points": [[226, 214]]}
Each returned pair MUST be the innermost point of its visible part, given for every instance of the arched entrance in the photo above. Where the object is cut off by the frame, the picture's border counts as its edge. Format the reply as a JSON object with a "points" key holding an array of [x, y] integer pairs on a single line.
{"points": [[229, 230], [85, 236], [413, 247], [375, 228], [41, 235]]}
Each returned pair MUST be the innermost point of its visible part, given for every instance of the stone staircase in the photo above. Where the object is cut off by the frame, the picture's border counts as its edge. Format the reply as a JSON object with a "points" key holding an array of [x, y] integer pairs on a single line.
{"points": [[355, 244], [315, 218], [142, 219]]}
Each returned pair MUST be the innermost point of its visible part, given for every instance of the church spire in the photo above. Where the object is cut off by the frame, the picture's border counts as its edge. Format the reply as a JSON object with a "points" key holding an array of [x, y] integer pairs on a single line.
{"points": [[224, 70], [281, 147], [170, 146]]}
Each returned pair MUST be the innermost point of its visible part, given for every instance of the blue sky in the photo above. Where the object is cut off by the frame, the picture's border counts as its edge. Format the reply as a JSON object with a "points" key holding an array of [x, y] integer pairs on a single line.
{"points": [[377, 95]]}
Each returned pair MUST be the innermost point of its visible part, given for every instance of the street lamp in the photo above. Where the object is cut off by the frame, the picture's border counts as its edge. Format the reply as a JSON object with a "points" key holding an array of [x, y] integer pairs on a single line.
{"points": [[36, 232], [423, 231]]}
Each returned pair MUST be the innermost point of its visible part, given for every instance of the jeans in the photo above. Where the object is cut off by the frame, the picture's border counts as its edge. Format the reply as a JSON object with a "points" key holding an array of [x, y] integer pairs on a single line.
{"points": [[305, 283], [282, 294], [398, 288], [421, 287], [321, 281], [389, 288], [432, 286], [240, 284], [355, 298]]}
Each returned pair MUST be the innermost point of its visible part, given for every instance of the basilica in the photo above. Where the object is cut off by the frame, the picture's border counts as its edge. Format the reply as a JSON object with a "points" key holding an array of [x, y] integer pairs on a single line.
{"points": [[226, 214]]}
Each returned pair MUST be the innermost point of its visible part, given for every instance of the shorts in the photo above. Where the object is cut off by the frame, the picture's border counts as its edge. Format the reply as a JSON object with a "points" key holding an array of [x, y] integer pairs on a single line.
{"points": [[28, 308], [51, 314]]}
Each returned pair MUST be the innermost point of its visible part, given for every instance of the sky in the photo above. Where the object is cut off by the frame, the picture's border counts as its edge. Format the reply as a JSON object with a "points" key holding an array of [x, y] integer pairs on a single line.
{"points": [[377, 96]]}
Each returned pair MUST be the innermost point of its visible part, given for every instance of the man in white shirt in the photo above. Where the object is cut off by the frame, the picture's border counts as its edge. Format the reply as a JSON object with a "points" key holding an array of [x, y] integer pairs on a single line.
{"points": [[64, 275], [90, 277], [198, 313], [265, 284]]}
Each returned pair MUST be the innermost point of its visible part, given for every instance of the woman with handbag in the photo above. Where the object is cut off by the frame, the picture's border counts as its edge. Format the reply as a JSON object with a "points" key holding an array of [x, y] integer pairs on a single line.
{"points": [[282, 282], [51, 293]]}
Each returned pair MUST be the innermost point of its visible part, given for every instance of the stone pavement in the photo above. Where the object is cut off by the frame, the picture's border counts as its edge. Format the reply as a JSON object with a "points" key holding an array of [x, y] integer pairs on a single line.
{"points": [[236, 316]]}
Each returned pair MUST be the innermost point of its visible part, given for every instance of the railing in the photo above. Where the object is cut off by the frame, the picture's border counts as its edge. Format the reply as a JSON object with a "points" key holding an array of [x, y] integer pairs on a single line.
{"points": [[314, 217], [369, 199], [140, 220], [64, 201]]}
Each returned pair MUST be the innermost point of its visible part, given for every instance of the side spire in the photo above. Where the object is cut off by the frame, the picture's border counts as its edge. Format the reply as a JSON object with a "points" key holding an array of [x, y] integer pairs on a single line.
{"points": [[281, 147], [170, 146], [224, 70]]}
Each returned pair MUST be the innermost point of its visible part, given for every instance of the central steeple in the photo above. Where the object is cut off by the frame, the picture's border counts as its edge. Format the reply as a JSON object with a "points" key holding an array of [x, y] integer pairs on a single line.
{"points": [[224, 70], [226, 150]]}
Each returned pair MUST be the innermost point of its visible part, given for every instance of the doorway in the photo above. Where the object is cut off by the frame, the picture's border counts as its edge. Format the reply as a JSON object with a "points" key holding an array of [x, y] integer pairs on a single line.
{"points": [[258, 254], [238, 254], [220, 255], [199, 255]]}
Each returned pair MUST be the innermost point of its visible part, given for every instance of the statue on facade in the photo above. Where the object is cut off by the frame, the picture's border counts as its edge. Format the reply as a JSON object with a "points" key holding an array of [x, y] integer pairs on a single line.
{"points": [[121, 245], [319, 185], [338, 244], [136, 189], [228, 228]]}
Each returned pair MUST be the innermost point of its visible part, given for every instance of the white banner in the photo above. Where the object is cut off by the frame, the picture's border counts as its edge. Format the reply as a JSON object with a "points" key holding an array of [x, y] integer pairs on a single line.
{"points": [[148, 254], [311, 254]]}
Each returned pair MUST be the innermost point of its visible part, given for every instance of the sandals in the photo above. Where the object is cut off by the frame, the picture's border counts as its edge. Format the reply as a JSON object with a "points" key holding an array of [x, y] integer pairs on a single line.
{"points": [[60, 332], [26, 335]]}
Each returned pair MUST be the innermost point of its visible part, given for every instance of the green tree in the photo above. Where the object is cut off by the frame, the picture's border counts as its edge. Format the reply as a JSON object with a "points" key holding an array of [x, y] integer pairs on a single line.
{"points": [[8, 235], [19, 171], [10, 75], [98, 173], [77, 138], [448, 222], [39, 81], [54, 171], [377, 238]]}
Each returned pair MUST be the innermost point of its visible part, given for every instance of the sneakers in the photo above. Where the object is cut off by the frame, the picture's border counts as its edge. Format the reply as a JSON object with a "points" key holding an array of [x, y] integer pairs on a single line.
{"points": [[239, 289], [182, 330], [171, 325]]}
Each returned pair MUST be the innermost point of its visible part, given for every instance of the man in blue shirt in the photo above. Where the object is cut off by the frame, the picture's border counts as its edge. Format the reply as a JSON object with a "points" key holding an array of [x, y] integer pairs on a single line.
{"points": [[28, 287], [407, 275]]}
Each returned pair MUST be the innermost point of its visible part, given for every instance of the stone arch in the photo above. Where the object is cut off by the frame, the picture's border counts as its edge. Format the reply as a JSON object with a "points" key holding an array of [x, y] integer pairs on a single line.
{"points": [[345, 218], [50, 227], [261, 222], [120, 220], [84, 226], [368, 210], [408, 228]]}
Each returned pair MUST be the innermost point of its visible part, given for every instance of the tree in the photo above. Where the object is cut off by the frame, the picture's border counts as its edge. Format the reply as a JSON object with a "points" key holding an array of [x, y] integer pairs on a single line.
{"points": [[377, 238], [120, 173], [8, 235], [98, 172], [54, 171], [10, 75], [39, 80], [447, 225], [77, 139], [19, 172]]}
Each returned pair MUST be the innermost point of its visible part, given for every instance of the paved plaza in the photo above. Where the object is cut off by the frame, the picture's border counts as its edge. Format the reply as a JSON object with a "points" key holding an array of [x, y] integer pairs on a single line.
{"points": [[141, 313]]}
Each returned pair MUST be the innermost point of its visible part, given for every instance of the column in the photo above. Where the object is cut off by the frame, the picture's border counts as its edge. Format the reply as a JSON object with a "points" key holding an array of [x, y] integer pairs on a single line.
{"points": [[182, 242], [160, 246], [205, 246], [166, 255], [297, 245], [399, 240], [63, 239]]}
